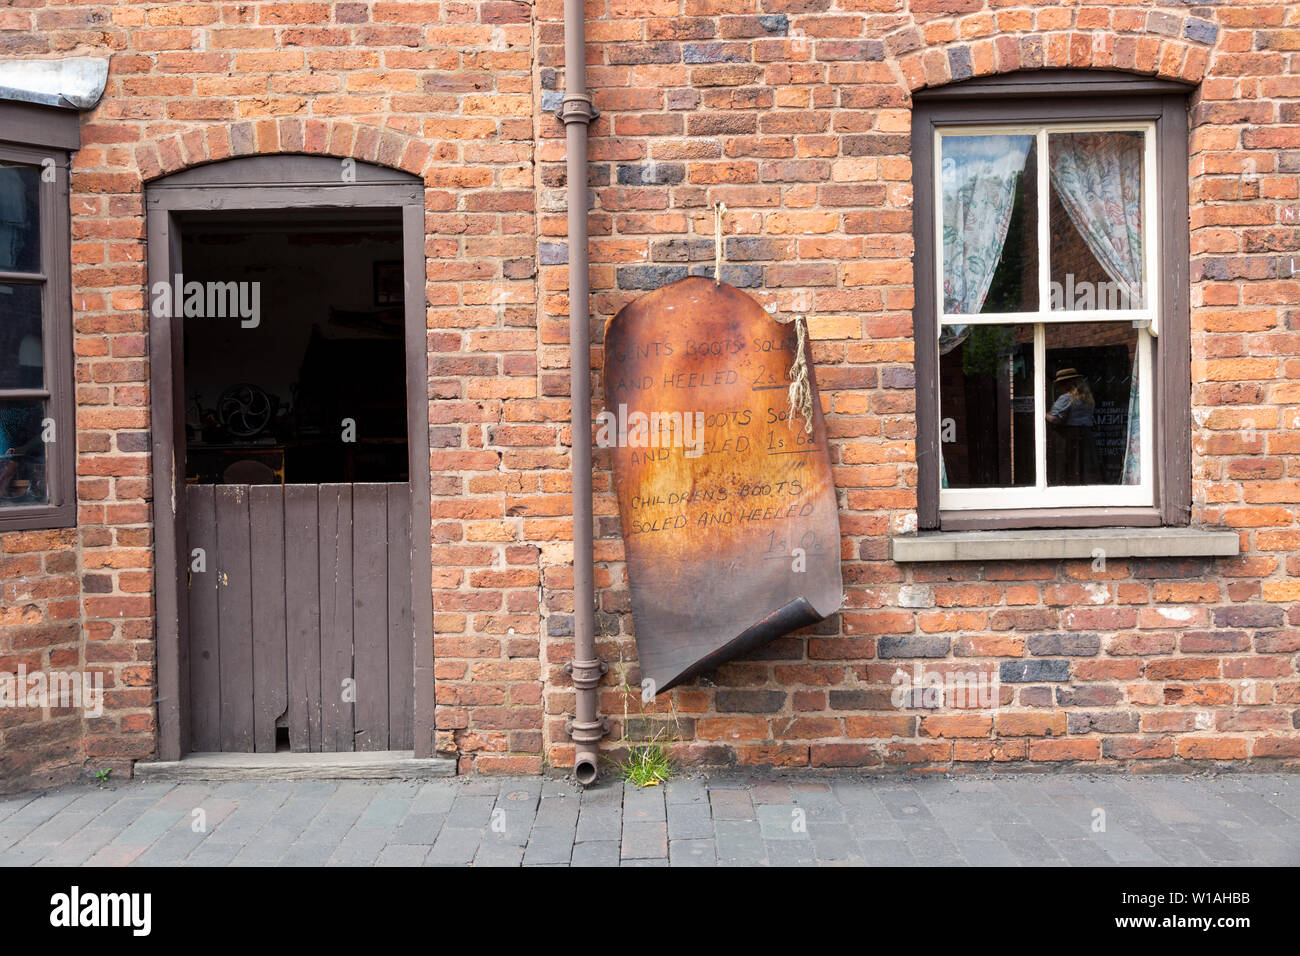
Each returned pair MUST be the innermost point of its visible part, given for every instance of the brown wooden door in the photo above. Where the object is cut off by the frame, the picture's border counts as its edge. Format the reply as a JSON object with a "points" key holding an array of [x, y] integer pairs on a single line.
{"points": [[300, 617]]}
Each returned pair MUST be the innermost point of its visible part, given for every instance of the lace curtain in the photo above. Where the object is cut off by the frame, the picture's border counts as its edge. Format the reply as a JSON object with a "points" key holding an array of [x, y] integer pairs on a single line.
{"points": [[980, 175], [1098, 177]]}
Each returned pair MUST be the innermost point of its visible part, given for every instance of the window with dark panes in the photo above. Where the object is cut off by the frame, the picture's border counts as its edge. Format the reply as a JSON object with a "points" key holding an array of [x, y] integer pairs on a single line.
{"points": [[1046, 235], [36, 427]]}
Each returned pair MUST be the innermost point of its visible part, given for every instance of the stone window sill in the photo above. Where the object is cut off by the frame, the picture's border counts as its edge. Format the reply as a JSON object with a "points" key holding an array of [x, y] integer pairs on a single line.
{"points": [[1058, 543]]}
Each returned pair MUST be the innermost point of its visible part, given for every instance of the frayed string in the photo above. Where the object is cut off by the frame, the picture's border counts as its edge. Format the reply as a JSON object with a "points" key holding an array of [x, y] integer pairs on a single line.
{"points": [[800, 386]]}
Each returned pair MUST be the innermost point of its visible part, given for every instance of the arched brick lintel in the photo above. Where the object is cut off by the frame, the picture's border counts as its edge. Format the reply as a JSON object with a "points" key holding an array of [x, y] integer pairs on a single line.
{"points": [[1165, 44], [287, 134]]}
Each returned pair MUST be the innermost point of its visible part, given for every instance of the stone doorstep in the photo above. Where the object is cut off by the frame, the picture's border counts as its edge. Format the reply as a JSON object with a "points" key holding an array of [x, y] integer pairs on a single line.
{"points": [[369, 765]]}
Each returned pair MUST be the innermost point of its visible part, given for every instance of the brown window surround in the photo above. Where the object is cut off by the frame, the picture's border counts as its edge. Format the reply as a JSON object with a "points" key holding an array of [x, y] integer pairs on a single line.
{"points": [[43, 138], [1055, 97]]}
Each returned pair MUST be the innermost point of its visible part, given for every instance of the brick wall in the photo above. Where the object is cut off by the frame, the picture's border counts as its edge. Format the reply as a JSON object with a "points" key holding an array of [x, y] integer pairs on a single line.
{"points": [[443, 90], [39, 633], [796, 113]]}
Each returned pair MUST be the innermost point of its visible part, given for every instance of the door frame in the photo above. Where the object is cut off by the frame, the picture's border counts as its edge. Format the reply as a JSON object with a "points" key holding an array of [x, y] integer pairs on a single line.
{"points": [[277, 182]]}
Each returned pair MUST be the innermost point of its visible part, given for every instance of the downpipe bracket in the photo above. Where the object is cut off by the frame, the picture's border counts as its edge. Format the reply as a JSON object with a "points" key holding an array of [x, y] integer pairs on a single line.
{"points": [[586, 674], [587, 731], [577, 108]]}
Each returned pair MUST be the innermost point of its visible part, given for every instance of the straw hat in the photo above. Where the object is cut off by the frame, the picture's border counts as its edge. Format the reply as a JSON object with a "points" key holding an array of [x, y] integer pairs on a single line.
{"points": [[1066, 374]]}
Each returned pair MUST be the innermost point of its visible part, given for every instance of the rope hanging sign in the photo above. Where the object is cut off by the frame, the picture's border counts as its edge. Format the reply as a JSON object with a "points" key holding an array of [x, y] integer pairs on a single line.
{"points": [[800, 390], [726, 500]]}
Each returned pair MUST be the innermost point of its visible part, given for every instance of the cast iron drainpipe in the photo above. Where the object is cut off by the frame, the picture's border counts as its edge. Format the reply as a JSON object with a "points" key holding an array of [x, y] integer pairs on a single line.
{"points": [[576, 111]]}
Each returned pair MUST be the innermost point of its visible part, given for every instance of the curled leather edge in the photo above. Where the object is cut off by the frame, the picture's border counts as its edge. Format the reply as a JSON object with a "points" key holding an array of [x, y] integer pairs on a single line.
{"points": [[798, 613]]}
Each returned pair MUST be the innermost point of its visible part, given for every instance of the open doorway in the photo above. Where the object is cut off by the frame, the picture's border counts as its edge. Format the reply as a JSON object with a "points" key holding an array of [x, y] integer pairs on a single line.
{"points": [[290, 400], [304, 382]]}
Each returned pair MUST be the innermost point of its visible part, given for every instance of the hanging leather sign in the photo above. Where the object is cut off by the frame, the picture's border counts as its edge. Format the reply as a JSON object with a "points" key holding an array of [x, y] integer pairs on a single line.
{"points": [[727, 504]]}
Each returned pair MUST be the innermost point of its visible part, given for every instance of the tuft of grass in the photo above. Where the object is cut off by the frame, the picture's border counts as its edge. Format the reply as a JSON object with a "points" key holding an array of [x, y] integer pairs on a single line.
{"points": [[647, 765]]}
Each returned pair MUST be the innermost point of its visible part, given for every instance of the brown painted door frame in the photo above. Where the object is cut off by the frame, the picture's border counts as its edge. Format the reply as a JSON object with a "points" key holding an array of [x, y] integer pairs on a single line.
{"points": [[287, 182]]}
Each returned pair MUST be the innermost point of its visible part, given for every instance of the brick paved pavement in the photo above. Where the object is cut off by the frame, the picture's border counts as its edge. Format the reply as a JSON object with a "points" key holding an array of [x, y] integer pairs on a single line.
{"points": [[719, 819]]}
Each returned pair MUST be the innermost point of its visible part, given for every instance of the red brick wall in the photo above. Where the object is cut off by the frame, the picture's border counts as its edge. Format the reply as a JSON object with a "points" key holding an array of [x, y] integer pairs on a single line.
{"points": [[39, 632], [796, 113], [443, 90]]}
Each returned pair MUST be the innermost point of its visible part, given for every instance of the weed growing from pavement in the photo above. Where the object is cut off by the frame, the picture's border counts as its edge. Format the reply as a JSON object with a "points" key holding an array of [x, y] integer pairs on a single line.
{"points": [[647, 765]]}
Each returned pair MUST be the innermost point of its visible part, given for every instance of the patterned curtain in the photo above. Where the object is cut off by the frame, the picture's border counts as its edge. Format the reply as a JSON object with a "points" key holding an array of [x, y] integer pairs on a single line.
{"points": [[1098, 177], [980, 174]]}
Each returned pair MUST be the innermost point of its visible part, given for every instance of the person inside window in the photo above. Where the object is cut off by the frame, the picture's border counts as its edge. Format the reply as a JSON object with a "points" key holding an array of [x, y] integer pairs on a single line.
{"points": [[20, 441], [1075, 459]]}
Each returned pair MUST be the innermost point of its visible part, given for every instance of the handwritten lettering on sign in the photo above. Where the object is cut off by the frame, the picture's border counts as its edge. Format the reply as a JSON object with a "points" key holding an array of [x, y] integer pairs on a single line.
{"points": [[727, 507]]}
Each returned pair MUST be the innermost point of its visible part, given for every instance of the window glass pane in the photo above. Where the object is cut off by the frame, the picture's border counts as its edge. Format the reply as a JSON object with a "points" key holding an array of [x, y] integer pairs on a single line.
{"points": [[1092, 404], [990, 224], [1095, 210], [20, 337], [986, 406], [20, 218], [22, 453]]}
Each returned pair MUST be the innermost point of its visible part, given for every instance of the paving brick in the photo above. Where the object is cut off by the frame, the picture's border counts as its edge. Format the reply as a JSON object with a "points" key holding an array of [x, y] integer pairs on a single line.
{"points": [[600, 822], [596, 853], [402, 855], [787, 853], [691, 790], [1027, 844], [886, 853], [470, 811], [692, 853], [643, 805], [558, 811], [731, 804], [986, 853], [213, 853], [644, 840], [690, 821], [549, 844], [739, 842], [904, 804], [435, 796], [359, 848], [384, 812], [455, 846], [497, 853], [782, 822], [81, 846]]}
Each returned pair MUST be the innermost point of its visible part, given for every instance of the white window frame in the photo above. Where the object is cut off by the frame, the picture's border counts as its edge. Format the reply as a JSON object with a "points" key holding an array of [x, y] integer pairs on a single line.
{"points": [[1145, 319]]}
